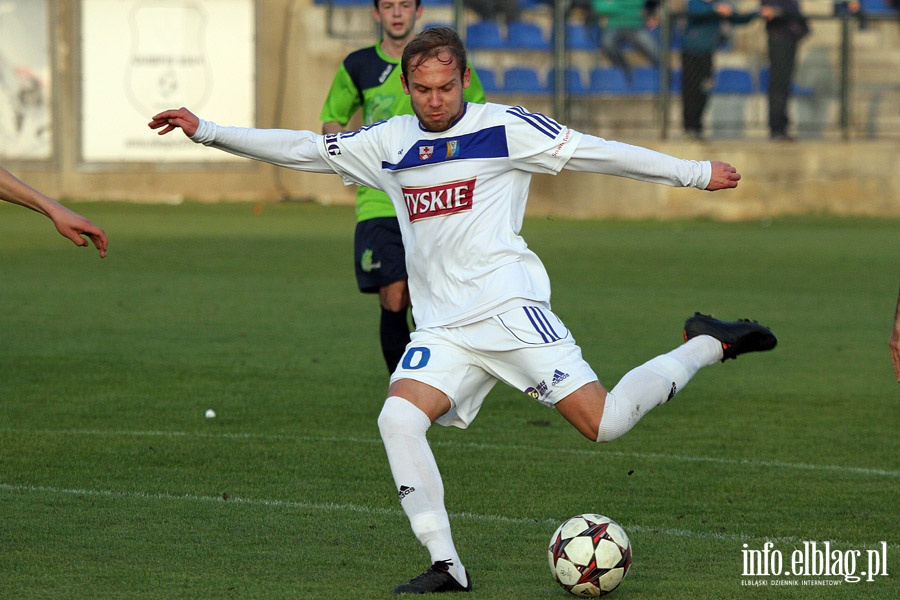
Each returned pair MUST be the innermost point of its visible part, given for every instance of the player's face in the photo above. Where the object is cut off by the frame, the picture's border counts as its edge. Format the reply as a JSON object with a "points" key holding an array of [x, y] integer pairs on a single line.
{"points": [[397, 18], [435, 91]]}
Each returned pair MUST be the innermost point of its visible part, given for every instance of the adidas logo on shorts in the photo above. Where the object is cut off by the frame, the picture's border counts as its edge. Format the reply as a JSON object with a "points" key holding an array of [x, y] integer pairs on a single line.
{"points": [[558, 377]]}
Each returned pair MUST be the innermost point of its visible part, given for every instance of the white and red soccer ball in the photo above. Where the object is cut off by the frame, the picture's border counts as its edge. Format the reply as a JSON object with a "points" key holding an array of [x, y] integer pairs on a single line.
{"points": [[589, 555]]}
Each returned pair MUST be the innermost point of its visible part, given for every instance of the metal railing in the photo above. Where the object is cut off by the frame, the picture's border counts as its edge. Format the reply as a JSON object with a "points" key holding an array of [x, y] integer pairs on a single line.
{"points": [[846, 82]]}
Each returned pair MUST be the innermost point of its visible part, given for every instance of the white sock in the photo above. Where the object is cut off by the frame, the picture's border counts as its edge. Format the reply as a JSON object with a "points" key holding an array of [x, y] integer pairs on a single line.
{"points": [[403, 427], [653, 383]]}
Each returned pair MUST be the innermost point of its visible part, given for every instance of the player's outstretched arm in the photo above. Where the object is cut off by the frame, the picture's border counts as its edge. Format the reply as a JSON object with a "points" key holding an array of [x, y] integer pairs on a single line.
{"points": [[723, 177], [299, 150], [175, 118], [70, 224]]}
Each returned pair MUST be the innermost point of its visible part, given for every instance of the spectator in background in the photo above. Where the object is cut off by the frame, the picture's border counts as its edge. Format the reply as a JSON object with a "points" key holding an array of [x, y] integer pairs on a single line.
{"points": [[495, 10], [627, 23], [583, 6], [68, 223], [785, 27], [703, 34], [581, 11], [845, 7], [851, 8]]}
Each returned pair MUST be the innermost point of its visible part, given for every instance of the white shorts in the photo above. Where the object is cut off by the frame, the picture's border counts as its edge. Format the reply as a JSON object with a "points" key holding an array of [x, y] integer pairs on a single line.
{"points": [[528, 348]]}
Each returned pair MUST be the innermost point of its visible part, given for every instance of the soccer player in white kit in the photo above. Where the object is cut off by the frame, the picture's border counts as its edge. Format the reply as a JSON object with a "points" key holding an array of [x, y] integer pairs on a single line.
{"points": [[459, 176]]}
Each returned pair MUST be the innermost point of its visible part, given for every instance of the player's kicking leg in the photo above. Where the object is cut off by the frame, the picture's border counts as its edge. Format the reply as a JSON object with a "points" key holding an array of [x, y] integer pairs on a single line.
{"points": [[605, 416], [737, 337]]}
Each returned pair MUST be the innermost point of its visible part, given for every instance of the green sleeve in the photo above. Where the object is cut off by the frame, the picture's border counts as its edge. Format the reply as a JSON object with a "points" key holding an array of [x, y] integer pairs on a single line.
{"points": [[343, 99], [610, 7], [621, 13], [475, 91]]}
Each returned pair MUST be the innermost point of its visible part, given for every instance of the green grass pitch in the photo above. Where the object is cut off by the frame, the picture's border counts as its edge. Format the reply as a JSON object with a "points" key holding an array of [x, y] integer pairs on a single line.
{"points": [[114, 485]]}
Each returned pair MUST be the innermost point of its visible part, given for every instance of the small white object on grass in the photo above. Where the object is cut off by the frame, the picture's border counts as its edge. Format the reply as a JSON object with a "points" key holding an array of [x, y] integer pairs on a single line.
{"points": [[210, 413]]}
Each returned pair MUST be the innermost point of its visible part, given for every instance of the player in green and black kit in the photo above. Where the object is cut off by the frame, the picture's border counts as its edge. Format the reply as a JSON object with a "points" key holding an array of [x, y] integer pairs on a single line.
{"points": [[369, 79]]}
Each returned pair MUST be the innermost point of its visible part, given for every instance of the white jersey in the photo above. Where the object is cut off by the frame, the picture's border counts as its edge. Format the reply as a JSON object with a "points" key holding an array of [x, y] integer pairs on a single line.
{"points": [[460, 194]]}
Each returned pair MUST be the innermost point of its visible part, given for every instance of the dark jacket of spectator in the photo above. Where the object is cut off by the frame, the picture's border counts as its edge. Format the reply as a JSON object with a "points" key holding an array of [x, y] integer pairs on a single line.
{"points": [[789, 19]]}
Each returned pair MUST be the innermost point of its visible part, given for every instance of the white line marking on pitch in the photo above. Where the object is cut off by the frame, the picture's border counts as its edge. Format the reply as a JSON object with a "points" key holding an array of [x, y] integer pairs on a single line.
{"points": [[549, 523], [479, 446]]}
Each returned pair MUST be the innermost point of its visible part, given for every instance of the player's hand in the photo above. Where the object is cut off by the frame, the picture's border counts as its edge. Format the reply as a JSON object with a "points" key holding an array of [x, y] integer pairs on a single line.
{"points": [[723, 9], [172, 119], [74, 226], [723, 176]]}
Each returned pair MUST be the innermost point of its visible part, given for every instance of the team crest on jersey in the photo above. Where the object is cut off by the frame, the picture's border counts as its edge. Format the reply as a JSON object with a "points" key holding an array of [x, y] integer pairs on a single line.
{"points": [[426, 152], [438, 200]]}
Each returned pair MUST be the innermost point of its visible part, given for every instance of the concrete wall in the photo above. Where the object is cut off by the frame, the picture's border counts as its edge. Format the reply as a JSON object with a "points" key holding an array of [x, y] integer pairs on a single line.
{"points": [[854, 178], [295, 65]]}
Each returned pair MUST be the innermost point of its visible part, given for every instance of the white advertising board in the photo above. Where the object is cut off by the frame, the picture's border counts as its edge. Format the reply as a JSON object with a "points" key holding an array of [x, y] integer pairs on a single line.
{"points": [[139, 57]]}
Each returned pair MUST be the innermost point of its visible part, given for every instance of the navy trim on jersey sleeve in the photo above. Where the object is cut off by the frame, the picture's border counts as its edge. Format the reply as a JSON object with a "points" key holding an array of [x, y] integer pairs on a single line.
{"points": [[485, 143], [542, 123]]}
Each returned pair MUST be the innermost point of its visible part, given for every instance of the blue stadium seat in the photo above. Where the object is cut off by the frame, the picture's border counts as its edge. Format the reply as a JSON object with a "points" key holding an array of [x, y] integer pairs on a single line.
{"points": [[733, 81], [764, 79], [674, 36], [582, 37], [645, 80], [677, 34], [523, 80], [608, 80], [488, 80], [675, 82], [802, 90], [484, 35], [522, 35], [877, 7], [572, 77]]}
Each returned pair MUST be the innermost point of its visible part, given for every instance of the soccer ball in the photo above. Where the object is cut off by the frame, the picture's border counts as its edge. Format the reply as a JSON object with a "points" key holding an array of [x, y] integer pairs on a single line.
{"points": [[589, 555]]}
